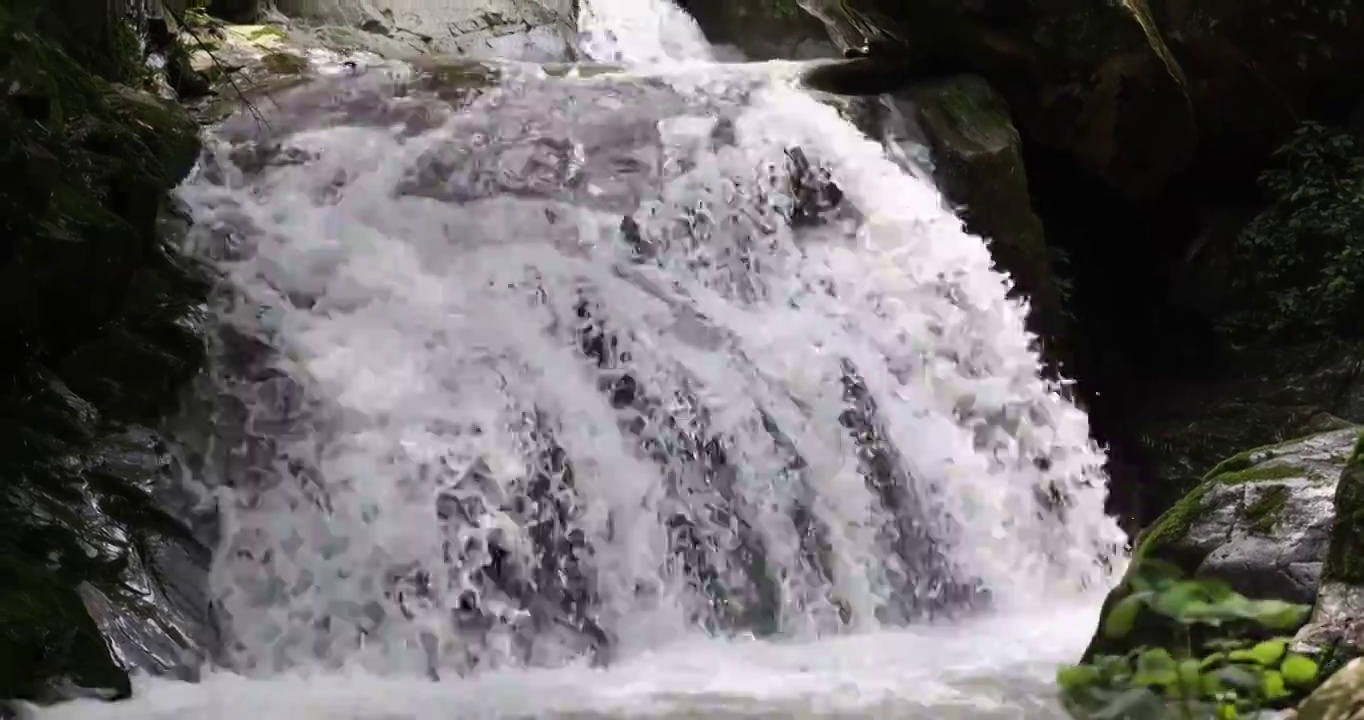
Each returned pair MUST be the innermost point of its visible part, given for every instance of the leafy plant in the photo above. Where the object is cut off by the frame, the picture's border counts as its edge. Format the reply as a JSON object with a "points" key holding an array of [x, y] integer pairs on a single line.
{"points": [[1222, 679], [1298, 268]]}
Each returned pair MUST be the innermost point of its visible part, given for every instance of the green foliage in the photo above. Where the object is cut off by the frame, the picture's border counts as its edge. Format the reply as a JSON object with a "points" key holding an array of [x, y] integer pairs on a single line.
{"points": [[196, 18], [1298, 269], [1225, 678]]}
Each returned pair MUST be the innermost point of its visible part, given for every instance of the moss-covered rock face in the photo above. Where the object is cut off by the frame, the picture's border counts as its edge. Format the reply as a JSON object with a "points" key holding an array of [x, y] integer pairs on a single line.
{"points": [[978, 161], [96, 337], [1093, 80], [1261, 520], [1335, 627], [1346, 560]]}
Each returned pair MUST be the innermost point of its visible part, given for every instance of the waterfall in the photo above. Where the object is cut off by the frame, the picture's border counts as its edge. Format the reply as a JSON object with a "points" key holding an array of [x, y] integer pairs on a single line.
{"points": [[538, 389]]}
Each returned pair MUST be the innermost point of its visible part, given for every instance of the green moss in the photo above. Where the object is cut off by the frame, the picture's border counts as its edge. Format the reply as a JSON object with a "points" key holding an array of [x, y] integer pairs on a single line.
{"points": [[1345, 556], [1236, 463], [1358, 452], [1264, 512], [1259, 472], [284, 63], [1254, 456], [1172, 526]]}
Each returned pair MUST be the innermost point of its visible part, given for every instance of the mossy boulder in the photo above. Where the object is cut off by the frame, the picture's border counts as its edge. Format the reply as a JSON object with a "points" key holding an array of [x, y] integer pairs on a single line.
{"points": [[978, 163], [1093, 80], [1260, 520], [97, 337]]}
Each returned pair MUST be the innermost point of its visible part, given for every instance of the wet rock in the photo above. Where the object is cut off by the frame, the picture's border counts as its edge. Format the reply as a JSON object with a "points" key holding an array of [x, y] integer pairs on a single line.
{"points": [[542, 31], [763, 29], [48, 639], [1261, 520], [1334, 632], [858, 76], [1339, 698], [106, 341], [1336, 624], [978, 163], [1095, 81], [284, 63]]}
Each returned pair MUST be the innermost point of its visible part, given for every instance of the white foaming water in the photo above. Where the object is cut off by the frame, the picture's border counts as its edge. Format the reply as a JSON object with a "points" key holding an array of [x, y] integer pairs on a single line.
{"points": [[473, 426], [641, 33], [993, 669]]}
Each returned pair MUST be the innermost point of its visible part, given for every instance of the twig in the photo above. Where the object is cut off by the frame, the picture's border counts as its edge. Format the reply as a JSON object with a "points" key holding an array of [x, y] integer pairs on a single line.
{"points": [[179, 19]]}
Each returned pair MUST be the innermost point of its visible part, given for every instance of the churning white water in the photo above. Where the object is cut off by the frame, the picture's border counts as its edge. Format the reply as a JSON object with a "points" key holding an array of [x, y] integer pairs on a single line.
{"points": [[662, 393]]}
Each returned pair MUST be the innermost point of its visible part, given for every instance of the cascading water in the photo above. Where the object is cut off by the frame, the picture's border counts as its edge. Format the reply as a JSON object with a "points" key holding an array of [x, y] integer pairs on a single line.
{"points": [[662, 393]]}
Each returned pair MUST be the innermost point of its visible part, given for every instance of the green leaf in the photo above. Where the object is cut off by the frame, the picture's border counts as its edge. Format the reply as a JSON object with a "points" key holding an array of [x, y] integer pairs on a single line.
{"points": [[1225, 644], [1267, 653], [1239, 677], [1155, 666], [1112, 666], [1272, 685], [1123, 616], [1132, 704], [1277, 614], [1176, 600], [1299, 670], [1201, 611], [1154, 573], [1212, 659], [1212, 685], [1075, 677], [1190, 672]]}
